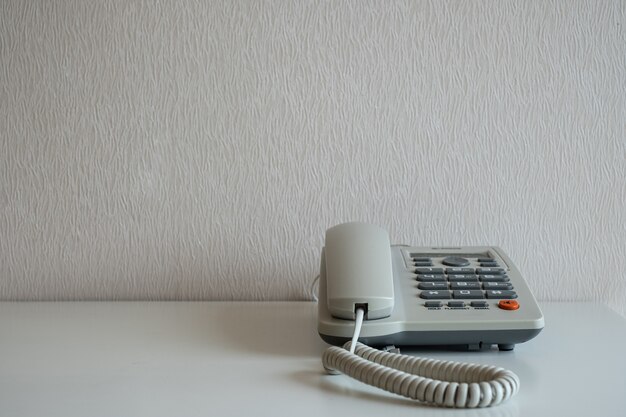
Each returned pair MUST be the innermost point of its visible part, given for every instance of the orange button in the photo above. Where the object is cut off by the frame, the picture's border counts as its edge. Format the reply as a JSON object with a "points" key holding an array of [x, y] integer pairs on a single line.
{"points": [[508, 304]]}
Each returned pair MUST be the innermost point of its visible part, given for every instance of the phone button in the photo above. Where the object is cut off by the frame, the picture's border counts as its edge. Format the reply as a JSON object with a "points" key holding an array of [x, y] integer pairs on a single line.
{"points": [[433, 285], [497, 286], [464, 285], [455, 261], [421, 259], [490, 271], [501, 294], [508, 305], [422, 262], [436, 295], [479, 304], [460, 270], [431, 278], [456, 304], [427, 270], [493, 278], [433, 304], [461, 277], [468, 294]]}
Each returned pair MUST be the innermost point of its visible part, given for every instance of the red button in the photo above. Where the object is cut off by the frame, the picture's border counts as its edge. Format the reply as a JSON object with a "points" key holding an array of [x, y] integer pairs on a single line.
{"points": [[508, 304]]}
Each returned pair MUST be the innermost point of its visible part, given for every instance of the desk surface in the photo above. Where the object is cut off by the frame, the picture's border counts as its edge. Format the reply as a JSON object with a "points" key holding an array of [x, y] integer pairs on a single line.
{"points": [[262, 359]]}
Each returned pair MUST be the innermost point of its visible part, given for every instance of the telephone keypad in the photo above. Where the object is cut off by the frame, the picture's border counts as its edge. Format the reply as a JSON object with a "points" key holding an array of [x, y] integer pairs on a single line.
{"points": [[462, 281]]}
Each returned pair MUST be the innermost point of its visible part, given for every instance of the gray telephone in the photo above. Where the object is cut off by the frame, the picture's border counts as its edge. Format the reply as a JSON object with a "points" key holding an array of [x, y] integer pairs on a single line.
{"points": [[382, 295]]}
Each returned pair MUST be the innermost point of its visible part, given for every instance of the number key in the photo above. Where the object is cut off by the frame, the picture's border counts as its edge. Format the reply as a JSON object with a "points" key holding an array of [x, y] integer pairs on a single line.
{"points": [[490, 271], [464, 285], [431, 277], [462, 277], [468, 294], [501, 294], [494, 278], [433, 285], [459, 270], [436, 295], [427, 270], [497, 286]]}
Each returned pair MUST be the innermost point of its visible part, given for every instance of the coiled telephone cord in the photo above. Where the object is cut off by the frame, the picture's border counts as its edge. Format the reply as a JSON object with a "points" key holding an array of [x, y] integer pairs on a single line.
{"points": [[437, 382]]}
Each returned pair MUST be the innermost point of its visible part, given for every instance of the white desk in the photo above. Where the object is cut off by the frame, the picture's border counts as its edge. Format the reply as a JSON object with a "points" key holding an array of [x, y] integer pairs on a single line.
{"points": [[263, 359]]}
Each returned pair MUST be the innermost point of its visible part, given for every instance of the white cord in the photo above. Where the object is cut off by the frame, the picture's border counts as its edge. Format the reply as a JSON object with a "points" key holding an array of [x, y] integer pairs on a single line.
{"points": [[360, 313], [313, 293], [437, 382]]}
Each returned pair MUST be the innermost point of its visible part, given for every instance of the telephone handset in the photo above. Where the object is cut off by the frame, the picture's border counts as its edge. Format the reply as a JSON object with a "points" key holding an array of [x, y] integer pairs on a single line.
{"points": [[360, 258], [384, 295]]}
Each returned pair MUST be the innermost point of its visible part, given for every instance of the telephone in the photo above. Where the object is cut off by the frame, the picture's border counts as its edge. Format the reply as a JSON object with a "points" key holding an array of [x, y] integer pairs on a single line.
{"points": [[380, 295]]}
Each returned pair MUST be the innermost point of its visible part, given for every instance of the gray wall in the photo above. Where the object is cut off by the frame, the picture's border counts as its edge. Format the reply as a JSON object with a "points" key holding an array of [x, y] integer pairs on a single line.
{"points": [[198, 150]]}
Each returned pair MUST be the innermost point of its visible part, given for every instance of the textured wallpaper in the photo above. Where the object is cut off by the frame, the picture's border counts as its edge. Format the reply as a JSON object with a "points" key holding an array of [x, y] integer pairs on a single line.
{"points": [[191, 150]]}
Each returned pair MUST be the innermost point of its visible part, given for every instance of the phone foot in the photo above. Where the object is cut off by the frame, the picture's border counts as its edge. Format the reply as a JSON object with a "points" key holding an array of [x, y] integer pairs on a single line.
{"points": [[506, 346]]}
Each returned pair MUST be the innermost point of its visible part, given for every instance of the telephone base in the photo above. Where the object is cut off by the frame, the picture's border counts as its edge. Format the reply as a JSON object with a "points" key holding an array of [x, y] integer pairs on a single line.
{"points": [[472, 297]]}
